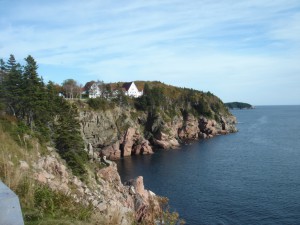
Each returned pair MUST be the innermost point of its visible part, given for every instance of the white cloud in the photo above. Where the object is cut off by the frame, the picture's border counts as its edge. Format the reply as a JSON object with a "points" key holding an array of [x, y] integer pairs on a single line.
{"points": [[214, 44]]}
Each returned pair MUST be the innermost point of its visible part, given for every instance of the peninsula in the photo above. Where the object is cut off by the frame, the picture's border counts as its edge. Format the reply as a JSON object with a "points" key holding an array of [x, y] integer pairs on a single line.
{"points": [[58, 142], [239, 105]]}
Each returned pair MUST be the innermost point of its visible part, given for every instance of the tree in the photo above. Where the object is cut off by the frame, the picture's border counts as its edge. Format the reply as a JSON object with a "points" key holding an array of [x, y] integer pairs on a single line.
{"points": [[108, 91], [68, 138], [146, 89], [11, 88], [51, 117], [71, 88], [34, 98], [11, 63], [2, 70]]}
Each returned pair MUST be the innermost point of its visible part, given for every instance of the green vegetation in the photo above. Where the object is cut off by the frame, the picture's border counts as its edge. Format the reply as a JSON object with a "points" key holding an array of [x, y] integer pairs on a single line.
{"points": [[167, 216], [56, 205], [32, 114], [165, 100], [43, 206], [171, 101], [39, 109], [100, 104], [40, 205], [160, 104], [238, 105]]}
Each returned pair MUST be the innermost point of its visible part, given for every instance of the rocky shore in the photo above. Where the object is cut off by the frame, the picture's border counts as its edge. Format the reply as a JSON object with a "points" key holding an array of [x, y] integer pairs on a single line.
{"points": [[117, 202], [115, 133]]}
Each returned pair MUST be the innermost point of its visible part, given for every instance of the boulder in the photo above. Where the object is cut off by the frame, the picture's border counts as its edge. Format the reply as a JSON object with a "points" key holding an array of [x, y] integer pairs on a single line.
{"points": [[165, 141], [112, 152], [110, 174], [146, 148], [24, 165]]}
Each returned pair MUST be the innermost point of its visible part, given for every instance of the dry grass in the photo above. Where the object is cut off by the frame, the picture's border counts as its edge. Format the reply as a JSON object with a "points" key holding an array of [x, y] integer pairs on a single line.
{"points": [[111, 218], [17, 178], [16, 148], [10, 157]]}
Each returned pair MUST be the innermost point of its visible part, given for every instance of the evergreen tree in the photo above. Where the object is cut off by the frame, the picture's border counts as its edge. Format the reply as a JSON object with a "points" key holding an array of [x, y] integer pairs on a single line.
{"points": [[68, 138], [34, 98], [40, 107], [2, 70], [146, 89], [11, 63], [2, 65], [11, 90]]}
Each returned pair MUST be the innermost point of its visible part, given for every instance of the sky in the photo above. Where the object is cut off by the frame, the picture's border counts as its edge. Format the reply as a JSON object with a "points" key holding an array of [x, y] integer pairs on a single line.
{"points": [[240, 50]]}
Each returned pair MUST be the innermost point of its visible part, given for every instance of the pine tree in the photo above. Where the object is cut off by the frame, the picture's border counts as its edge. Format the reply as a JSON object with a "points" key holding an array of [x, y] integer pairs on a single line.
{"points": [[68, 138], [11, 90], [35, 96], [40, 107], [11, 63], [2, 70]]}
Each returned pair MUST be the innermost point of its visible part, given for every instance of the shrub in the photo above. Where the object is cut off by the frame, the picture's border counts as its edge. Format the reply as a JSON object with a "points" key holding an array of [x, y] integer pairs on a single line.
{"points": [[76, 161], [166, 216], [51, 204], [100, 103]]}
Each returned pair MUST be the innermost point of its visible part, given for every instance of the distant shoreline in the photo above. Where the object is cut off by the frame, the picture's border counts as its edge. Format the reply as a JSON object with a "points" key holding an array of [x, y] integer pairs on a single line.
{"points": [[239, 105]]}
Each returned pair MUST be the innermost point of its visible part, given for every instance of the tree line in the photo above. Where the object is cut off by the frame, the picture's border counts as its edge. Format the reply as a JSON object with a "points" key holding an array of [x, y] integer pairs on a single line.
{"points": [[24, 94]]}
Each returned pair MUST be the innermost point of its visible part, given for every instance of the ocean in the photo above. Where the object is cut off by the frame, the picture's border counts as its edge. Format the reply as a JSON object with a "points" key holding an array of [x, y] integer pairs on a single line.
{"points": [[249, 177]]}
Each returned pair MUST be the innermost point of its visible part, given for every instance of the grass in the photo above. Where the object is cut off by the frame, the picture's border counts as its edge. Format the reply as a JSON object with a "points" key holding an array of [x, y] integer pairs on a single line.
{"points": [[40, 204], [54, 205], [43, 206]]}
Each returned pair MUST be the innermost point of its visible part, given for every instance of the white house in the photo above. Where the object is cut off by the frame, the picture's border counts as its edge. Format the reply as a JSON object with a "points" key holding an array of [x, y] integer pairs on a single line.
{"points": [[94, 90], [131, 90]]}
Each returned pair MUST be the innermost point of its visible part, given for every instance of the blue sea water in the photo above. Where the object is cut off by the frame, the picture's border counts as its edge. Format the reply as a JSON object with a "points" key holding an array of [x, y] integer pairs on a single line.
{"points": [[250, 177]]}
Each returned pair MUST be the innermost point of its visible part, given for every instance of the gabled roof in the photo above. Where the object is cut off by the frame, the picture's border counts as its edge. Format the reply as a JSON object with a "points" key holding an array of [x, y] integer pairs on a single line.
{"points": [[127, 85], [96, 84]]}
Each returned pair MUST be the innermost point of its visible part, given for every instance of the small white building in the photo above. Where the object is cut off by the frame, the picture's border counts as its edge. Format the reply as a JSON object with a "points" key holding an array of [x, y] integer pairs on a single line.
{"points": [[131, 90], [95, 90]]}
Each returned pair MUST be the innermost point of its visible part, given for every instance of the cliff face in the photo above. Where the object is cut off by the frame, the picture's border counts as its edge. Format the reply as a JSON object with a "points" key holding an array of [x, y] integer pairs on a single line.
{"points": [[116, 133], [113, 134], [105, 192], [30, 168]]}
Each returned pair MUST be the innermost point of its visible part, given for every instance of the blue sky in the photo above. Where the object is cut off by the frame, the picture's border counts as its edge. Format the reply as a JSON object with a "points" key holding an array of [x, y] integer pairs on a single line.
{"points": [[239, 50]]}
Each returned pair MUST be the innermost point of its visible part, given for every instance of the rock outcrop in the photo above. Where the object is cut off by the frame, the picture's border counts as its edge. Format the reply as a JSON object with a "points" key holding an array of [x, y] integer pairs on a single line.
{"points": [[113, 151], [190, 129], [129, 139], [116, 133], [144, 200], [106, 192], [113, 134], [166, 141]]}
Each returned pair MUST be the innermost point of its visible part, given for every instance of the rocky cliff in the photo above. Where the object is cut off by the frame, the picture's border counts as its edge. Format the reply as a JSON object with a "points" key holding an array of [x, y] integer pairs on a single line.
{"points": [[123, 132], [113, 133], [50, 193], [105, 192]]}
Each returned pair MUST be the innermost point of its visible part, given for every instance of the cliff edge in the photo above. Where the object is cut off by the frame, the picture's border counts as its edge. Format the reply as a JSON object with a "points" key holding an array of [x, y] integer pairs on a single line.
{"points": [[163, 118]]}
